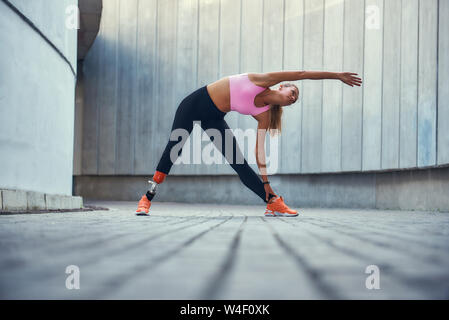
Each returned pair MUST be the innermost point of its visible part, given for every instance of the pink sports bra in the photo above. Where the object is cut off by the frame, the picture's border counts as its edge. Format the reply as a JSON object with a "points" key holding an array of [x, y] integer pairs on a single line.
{"points": [[243, 92]]}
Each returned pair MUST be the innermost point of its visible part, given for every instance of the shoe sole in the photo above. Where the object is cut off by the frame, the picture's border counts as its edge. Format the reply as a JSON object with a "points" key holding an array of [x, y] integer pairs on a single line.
{"points": [[142, 213], [280, 214]]}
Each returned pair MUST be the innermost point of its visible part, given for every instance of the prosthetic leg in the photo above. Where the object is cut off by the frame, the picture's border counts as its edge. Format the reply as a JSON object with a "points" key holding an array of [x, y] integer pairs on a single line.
{"points": [[143, 207], [158, 178]]}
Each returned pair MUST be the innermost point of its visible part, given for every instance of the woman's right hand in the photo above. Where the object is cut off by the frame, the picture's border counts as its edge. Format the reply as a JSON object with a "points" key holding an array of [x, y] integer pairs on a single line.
{"points": [[268, 191], [350, 79]]}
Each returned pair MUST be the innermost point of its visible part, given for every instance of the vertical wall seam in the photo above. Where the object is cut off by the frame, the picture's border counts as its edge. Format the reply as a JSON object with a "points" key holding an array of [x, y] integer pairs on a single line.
{"points": [[175, 82], [382, 88], [363, 87], [283, 35], [240, 50], [322, 88], [97, 97], [342, 87], [215, 168], [281, 169], [197, 41], [400, 85], [437, 84], [263, 33], [117, 80], [240, 39], [219, 45], [156, 76], [136, 103], [302, 85], [417, 86], [300, 105]]}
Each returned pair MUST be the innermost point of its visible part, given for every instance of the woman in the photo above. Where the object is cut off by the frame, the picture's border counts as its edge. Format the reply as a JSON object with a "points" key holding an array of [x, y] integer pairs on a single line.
{"points": [[248, 94]]}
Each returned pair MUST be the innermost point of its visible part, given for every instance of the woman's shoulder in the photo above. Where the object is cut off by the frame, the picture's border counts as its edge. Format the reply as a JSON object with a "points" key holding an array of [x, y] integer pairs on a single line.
{"points": [[259, 79]]}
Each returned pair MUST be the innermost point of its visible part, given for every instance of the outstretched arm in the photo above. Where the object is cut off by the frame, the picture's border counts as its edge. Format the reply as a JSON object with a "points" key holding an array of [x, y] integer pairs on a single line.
{"points": [[273, 78], [262, 127]]}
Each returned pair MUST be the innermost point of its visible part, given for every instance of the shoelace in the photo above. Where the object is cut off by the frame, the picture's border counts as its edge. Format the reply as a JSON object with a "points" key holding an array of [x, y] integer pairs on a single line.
{"points": [[282, 205], [142, 203]]}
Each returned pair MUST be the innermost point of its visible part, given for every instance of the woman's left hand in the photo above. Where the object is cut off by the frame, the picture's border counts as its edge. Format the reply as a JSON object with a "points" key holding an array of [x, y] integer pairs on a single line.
{"points": [[268, 191], [350, 79]]}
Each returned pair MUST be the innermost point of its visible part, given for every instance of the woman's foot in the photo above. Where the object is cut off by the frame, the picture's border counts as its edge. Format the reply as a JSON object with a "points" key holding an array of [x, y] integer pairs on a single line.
{"points": [[143, 208], [278, 208]]}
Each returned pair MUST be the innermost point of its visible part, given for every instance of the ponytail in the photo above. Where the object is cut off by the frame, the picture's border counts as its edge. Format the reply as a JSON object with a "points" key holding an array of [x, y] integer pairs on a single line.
{"points": [[275, 125]]}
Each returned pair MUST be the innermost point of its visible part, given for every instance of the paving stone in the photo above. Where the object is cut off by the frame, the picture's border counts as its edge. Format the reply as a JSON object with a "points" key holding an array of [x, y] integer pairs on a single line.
{"points": [[204, 251]]}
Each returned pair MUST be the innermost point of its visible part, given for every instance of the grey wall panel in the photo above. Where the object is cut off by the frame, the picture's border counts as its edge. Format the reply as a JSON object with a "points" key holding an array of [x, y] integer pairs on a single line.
{"points": [[391, 85], [312, 111], [127, 89], [272, 60], [208, 65], [100, 96], [90, 113], [427, 86], [273, 24], [144, 157], [107, 90], [443, 80], [165, 101], [332, 90], [229, 61], [372, 98], [78, 130], [409, 84], [290, 140], [353, 96], [251, 43], [186, 66]]}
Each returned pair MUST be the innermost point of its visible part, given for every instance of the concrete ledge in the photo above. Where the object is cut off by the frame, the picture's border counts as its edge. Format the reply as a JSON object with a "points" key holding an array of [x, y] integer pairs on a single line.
{"points": [[426, 189], [55, 202], [14, 200], [35, 200], [20, 200]]}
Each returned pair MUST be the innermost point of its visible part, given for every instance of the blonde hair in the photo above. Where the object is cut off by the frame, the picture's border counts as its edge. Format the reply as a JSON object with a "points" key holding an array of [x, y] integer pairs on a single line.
{"points": [[275, 126]]}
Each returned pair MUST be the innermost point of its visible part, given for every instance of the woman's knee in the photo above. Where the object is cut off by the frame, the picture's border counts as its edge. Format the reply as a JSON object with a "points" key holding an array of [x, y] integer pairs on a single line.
{"points": [[242, 169]]}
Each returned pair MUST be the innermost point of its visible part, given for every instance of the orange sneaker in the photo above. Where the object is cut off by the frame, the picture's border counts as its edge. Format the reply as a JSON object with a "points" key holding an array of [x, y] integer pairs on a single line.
{"points": [[279, 208], [143, 208]]}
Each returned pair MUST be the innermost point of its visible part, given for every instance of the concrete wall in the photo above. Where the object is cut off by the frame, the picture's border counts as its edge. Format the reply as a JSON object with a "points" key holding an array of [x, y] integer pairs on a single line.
{"points": [[426, 189], [37, 96], [150, 54]]}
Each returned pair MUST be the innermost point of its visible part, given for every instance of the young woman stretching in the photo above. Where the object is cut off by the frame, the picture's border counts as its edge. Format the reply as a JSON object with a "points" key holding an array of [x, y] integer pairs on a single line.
{"points": [[248, 94]]}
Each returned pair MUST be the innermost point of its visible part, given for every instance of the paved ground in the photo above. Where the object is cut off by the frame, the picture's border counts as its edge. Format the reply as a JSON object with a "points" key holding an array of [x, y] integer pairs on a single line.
{"points": [[224, 252]]}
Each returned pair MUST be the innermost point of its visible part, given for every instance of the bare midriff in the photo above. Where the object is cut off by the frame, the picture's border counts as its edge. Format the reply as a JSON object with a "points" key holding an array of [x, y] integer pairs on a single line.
{"points": [[220, 95]]}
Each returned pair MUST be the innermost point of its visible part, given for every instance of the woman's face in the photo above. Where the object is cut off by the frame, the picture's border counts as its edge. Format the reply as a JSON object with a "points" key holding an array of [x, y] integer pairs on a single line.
{"points": [[289, 95]]}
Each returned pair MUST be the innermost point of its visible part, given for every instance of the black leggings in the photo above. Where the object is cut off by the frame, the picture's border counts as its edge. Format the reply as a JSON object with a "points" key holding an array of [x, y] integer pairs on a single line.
{"points": [[198, 106]]}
